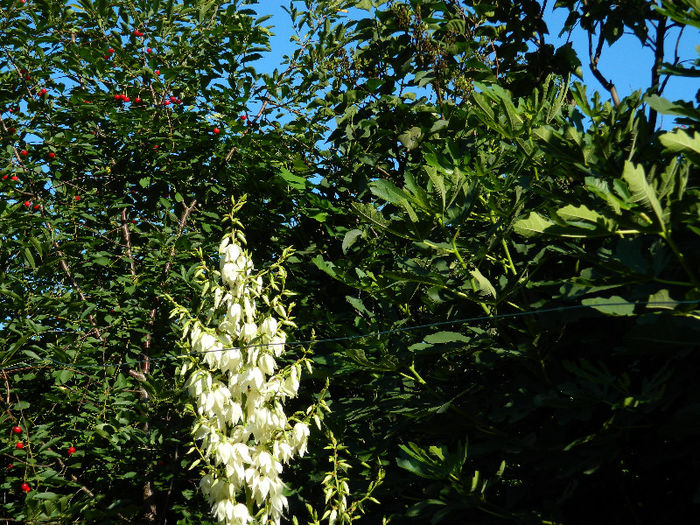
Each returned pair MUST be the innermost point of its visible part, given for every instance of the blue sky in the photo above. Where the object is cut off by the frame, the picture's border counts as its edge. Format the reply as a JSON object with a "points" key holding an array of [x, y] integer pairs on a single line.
{"points": [[626, 63]]}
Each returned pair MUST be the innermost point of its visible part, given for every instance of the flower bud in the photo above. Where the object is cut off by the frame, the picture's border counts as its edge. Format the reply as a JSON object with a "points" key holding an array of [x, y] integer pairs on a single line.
{"points": [[249, 332], [269, 327]]}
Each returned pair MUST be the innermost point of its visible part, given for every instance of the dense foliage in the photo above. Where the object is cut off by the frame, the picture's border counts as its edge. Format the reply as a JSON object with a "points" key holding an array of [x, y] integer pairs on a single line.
{"points": [[523, 255]]}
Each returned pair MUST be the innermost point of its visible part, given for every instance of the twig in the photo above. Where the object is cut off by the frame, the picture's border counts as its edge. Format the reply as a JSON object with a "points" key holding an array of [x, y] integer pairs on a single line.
{"points": [[656, 67], [593, 65], [7, 397], [676, 58], [127, 240], [181, 226], [66, 270], [266, 99]]}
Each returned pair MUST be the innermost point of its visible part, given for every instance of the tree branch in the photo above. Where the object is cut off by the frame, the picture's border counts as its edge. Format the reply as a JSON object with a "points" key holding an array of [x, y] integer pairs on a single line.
{"points": [[656, 68], [74, 283], [145, 364], [676, 58], [594, 57], [127, 240]]}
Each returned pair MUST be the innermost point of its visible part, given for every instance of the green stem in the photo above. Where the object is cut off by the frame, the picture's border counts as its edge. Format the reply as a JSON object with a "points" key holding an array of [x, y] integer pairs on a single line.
{"points": [[510, 261], [456, 251], [666, 235], [416, 375], [667, 281]]}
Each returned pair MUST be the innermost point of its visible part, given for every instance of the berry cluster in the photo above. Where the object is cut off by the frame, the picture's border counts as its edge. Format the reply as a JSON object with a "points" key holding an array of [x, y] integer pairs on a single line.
{"points": [[21, 445]]}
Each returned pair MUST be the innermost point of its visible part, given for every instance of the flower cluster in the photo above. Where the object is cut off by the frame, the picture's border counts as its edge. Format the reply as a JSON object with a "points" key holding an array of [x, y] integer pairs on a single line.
{"points": [[239, 391]]}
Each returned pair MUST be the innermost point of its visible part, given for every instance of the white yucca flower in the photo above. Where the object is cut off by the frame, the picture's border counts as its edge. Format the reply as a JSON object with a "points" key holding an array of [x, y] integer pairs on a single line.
{"points": [[239, 391]]}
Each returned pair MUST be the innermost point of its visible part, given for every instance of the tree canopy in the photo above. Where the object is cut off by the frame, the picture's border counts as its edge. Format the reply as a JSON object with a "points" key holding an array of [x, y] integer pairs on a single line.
{"points": [[494, 269]]}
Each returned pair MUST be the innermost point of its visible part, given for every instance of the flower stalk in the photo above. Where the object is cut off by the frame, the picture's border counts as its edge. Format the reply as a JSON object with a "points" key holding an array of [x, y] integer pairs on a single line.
{"points": [[239, 390]]}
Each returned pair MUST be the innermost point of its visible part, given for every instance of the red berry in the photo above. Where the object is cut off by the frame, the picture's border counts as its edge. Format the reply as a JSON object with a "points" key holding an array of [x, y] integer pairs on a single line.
{"points": [[243, 117], [19, 444], [12, 130], [110, 50], [149, 50], [156, 146], [106, 57], [77, 197], [133, 221], [137, 100], [10, 466], [166, 103], [117, 97], [22, 1], [42, 92], [125, 98], [216, 130], [24, 152], [25, 486], [17, 429], [71, 450], [52, 155], [14, 177], [36, 206], [27, 204], [4, 177], [157, 72], [10, 110], [173, 99]]}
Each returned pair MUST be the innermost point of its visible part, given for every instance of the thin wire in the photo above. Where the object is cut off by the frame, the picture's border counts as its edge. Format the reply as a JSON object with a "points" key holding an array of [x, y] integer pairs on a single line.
{"points": [[445, 323], [47, 360]]}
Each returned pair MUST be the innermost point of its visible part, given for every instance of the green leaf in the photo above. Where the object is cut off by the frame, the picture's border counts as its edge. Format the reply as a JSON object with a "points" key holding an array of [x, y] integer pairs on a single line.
{"points": [[411, 137], [371, 214], [581, 212], [438, 183], [45, 495], [641, 190], [295, 181], [662, 299], [446, 337], [416, 467], [324, 266], [350, 238], [614, 305], [388, 191], [680, 141], [64, 376], [358, 305], [485, 285], [533, 225], [29, 258]]}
